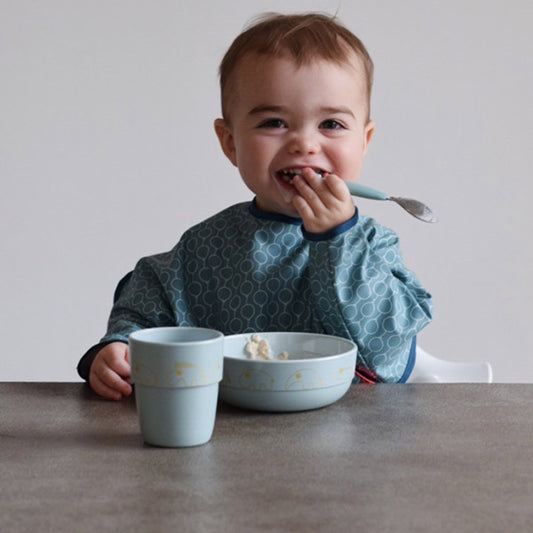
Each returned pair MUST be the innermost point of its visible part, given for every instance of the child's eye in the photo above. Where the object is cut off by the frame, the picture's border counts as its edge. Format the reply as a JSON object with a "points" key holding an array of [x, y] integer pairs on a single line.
{"points": [[331, 124], [272, 123]]}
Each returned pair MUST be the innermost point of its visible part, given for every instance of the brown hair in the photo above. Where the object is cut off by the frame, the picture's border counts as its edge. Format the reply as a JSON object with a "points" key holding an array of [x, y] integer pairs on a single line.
{"points": [[304, 38]]}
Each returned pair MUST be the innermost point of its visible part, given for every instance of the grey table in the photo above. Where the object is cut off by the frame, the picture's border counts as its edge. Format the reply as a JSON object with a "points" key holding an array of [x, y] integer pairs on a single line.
{"points": [[384, 458]]}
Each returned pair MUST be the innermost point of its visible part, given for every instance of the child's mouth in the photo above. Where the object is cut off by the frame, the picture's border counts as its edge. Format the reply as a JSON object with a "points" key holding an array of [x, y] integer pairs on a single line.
{"points": [[287, 174], [284, 179]]}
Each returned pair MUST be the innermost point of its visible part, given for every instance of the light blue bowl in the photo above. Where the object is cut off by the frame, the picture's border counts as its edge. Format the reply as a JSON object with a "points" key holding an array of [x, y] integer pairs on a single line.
{"points": [[319, 372]]}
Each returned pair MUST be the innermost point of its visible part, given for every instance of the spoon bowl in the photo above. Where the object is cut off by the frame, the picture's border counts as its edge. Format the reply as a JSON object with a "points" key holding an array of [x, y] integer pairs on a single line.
{"points": [[413, 207]]}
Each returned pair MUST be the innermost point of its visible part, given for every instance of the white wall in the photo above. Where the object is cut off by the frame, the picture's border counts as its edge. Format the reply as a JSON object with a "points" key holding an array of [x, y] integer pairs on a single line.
{"points": [[107, 153]]}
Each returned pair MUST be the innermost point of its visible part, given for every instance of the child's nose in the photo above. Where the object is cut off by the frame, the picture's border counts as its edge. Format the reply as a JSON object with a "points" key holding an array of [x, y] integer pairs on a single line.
{"points": [[303, 142]]}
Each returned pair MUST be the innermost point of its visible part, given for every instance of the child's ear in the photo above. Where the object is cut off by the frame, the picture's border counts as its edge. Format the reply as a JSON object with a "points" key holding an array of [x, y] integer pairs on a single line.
{"points": [[225, 137], [370, 128]]}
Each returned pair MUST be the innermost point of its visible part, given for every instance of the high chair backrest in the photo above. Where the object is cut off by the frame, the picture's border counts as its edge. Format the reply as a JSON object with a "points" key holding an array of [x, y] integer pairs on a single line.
{"points": [[430, 369]]}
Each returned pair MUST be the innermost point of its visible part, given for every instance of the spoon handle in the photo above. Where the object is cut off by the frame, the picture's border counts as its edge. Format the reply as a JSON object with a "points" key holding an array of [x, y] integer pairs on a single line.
{"points": [[366, 192]]}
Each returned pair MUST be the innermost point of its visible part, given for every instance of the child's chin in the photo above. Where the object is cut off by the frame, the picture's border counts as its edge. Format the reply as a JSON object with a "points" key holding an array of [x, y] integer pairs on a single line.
{"points": [[281, 209], [290, 213], [286, 190], [288, 210]]}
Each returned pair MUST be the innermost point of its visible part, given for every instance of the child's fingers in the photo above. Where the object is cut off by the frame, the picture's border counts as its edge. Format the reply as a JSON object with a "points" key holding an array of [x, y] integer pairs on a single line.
{"points": [[102, 389], [116, 357], [120, 366], [110, 378], [329, 190], [314, 180], [312, 189], [322, 203], [303, 208], [110, 372], [337, 186], [307, 192]]}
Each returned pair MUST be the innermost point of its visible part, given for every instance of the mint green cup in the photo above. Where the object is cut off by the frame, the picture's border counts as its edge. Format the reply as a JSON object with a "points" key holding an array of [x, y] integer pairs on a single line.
{"points": [[176, 372]]}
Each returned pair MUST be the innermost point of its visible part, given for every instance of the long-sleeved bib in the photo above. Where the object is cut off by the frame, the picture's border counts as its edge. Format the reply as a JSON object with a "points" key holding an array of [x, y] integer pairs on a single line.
{"points": [[245, 270]]}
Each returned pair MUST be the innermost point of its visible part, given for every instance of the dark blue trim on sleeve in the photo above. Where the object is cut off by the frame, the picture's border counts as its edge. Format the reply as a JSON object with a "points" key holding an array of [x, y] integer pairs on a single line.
{"points": [[279, 217], [268, 215], [410, 362], [84, 366], [345, 226]]}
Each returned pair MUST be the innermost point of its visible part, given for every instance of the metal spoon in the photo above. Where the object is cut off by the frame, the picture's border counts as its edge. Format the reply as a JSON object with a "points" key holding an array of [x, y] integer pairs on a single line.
{"points": [[413, 207]]}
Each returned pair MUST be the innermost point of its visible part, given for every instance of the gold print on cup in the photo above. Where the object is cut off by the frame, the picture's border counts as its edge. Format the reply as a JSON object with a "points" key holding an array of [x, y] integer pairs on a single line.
{"points": [[144, 375], [185, 375]]}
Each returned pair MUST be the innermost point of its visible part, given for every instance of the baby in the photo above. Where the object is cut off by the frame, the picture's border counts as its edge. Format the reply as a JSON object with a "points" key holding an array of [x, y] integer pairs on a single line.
{"points": [[299, 257]]}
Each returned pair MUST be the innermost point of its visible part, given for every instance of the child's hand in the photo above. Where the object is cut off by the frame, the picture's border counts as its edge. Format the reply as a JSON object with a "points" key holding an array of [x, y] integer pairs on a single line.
{"points": [[110, 372], [322, 203]]}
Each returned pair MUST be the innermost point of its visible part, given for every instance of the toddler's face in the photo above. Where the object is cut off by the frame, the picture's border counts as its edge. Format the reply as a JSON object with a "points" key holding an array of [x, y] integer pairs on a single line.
{"points": [[283, 117]]}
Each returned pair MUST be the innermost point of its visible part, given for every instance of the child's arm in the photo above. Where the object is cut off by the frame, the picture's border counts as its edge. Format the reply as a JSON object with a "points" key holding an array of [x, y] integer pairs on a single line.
{"points": [[362, 288], [106, 366], [364, 292], [110, 372]]}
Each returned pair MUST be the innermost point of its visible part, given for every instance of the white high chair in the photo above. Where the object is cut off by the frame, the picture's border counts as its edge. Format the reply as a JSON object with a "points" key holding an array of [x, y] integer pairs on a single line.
{"points": [[430, 369]]}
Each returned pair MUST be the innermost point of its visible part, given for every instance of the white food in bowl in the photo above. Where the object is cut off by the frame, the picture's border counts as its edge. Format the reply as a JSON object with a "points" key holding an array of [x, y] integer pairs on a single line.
{"points": [[258, 348]]}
